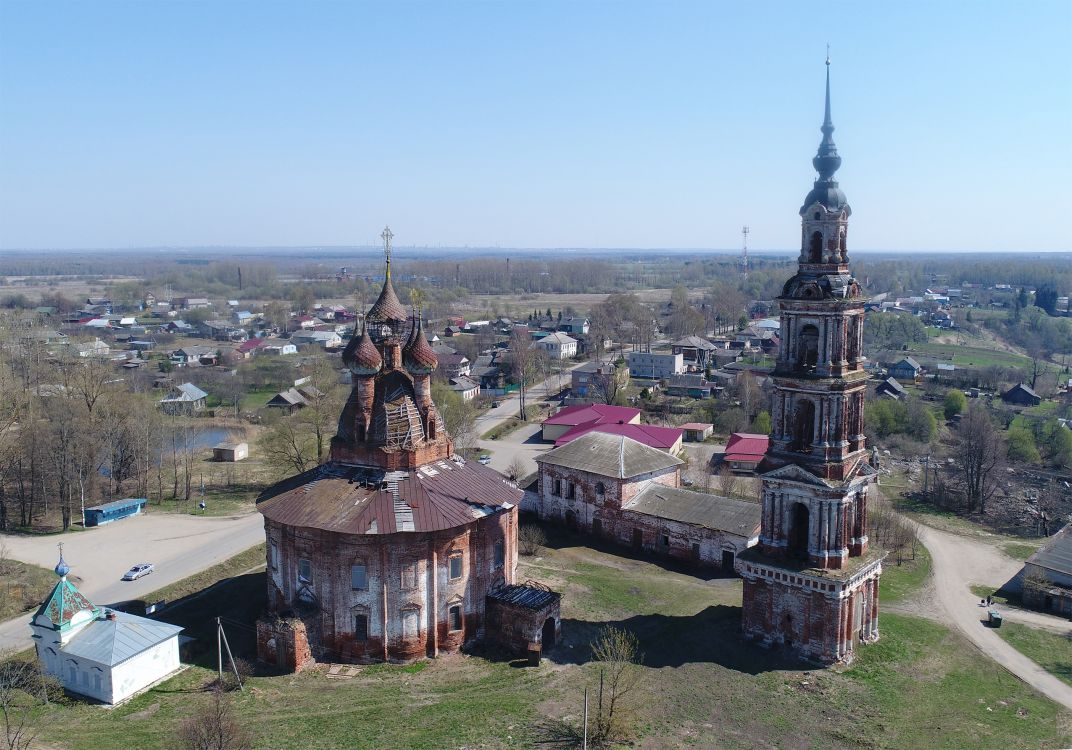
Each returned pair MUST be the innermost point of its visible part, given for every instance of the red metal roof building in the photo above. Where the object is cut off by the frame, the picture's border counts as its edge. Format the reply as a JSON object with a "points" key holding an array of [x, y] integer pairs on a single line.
{"points": [[589, 415], [745, 450], [393, 549], [664, 438]]}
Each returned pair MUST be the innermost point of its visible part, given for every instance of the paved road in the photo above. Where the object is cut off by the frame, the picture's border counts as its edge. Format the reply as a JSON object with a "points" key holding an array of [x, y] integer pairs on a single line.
{"points": [[960, 562], [178, 545]]}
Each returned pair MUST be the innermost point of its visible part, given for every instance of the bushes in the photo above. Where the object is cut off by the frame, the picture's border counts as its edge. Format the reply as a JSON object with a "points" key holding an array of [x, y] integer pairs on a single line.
{"points": [[887, 417], [955, 403]]}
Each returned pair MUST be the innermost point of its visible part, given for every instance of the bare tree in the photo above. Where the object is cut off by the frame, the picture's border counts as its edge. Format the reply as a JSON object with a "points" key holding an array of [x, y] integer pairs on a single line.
{"points": [[729, 484], [213, 726], [979, 454], [607, 384], [618, 654], [523, 362], [21, 687], [516, 469], [288, 447], [530, 538]]}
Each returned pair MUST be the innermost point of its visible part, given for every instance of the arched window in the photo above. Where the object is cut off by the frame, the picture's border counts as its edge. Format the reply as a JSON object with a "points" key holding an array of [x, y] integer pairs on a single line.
{"points": [[808, 347], [815, 248], [431, 427], [600, 489], [798, 531], [803, 428]]}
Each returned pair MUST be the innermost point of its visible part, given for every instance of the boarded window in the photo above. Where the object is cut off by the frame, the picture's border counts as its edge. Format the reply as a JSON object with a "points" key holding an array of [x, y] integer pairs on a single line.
{"points": [[456, 565], [305, 571], [455, 617], [556, 487], [274, 556], [411, 623], [500, 554], [409, 575], [361, 627], [358, 577]]}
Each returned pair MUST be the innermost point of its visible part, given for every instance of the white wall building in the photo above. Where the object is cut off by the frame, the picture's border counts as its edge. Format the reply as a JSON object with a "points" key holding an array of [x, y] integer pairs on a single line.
{"points": [[557, 345], [99, 653], [655, 365]]}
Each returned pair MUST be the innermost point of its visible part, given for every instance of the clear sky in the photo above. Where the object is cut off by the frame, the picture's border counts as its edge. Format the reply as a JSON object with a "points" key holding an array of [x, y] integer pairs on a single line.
{"points": [[531, 124]]}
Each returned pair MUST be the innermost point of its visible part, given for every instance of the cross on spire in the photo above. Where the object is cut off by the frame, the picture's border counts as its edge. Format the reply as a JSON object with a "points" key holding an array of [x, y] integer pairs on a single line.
{"points": [[387, 236]]}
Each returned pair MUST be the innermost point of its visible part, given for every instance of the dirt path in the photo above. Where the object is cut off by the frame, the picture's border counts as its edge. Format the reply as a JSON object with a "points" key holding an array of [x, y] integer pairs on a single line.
{"points": [[960, 562]]}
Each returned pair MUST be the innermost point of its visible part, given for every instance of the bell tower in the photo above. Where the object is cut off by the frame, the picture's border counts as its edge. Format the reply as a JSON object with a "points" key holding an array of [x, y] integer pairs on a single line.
{"points": [[811, 584]]}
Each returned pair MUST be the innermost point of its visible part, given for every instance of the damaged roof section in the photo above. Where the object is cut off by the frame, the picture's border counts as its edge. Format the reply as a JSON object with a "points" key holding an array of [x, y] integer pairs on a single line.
{"points": [[360, 500]]}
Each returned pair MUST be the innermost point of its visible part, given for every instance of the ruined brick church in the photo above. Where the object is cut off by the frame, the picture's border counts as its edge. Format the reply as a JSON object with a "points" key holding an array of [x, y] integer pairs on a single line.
{"points": [[811, 584], [397, 548]]}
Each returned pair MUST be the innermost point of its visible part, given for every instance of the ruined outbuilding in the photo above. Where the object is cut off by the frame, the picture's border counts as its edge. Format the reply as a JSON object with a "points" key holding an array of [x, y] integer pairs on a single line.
{"points": [[393, 549]]}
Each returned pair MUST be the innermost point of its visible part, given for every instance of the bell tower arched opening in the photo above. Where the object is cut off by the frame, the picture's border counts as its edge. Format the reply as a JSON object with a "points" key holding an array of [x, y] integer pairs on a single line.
{"points": [[799, 520], [815, 248], [808, 347], [803, 427]]}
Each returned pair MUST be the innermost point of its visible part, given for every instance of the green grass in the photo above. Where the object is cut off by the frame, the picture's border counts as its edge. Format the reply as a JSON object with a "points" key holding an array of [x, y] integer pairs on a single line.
{"points": [[902, 582], [969, 356], [920, 686], [257, 399], [1001, 596], [927, 689], [252, 558], [219, 501], [503, 429], [1019, 550], [1051, 651], [22, 587]]}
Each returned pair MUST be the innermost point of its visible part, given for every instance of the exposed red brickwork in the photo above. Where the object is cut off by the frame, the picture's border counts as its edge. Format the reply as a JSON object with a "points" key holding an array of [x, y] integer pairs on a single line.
{"points": [[408, 593], [282, 642]]}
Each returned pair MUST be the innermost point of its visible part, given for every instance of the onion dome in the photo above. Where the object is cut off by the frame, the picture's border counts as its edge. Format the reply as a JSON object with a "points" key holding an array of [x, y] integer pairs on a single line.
{"points": [[361, 355], [387, 309], [418, 357], [62, 568]]}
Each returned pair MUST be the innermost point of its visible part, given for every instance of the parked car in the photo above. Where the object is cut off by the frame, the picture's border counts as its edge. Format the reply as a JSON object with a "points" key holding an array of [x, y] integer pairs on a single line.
{"points": [[485, 459], [139, 570]]}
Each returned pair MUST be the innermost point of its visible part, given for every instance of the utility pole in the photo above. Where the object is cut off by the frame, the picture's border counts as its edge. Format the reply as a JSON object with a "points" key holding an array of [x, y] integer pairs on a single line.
{"points": [[585, 741]]}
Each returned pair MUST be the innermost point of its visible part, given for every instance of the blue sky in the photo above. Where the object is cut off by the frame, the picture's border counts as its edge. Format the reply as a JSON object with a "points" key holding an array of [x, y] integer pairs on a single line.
{"points": [[525, 124]]}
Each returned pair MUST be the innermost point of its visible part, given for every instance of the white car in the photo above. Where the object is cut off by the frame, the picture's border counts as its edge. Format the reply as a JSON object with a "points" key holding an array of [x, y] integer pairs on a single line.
{"points": [[139, 570], [485, 459]]}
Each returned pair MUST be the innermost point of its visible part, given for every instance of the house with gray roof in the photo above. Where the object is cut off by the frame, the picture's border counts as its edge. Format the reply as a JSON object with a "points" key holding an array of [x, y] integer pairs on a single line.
{"points": [[1047, 575], [185, 399], [102, 654], [622, 491]]}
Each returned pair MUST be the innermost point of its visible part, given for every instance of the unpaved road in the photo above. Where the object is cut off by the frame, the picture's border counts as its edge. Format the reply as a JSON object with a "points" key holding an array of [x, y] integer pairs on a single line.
{"points": [[960, 562], [177, 545]]}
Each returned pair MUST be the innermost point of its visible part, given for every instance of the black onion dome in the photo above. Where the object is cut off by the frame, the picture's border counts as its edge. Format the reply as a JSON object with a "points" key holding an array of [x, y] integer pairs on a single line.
{"points": [[418, 357], [361, 355]]}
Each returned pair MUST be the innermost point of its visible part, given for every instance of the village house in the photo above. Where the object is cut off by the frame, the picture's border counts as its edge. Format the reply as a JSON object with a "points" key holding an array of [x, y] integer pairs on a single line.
{"points": [[292, 399], [1021, 395], [322, 339], [906, 370], [102, 654], [276, 348], [454, 365], [581, 378], [194, 355], [557, 345], [192, 303], [891, 389], [692, 385], [575, 325], [186, 399], [695, 351], [1047, 576], [94, 348], [618, 490], [465, 387]]}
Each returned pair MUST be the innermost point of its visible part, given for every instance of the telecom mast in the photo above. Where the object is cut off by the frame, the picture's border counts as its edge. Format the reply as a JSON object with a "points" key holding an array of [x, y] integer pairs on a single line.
{"points": [[744, 252]]}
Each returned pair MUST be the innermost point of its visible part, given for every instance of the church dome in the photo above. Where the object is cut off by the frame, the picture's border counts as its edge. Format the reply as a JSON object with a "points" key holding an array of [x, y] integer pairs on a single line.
{"points": [[418, 357], [361, 355]]}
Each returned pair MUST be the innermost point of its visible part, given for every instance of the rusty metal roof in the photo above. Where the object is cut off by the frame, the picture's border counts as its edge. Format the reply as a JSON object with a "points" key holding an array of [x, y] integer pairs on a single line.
{"points": [[725, 514], [362, 500]]}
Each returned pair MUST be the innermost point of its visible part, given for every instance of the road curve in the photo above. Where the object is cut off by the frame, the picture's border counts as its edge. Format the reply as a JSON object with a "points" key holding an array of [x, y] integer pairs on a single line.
{"points": [[960, 562], [178, 546]]}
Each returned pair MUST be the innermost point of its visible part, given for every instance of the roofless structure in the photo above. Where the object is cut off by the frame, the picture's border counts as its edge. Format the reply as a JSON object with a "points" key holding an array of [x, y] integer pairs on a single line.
{"points": [[397, 548]]}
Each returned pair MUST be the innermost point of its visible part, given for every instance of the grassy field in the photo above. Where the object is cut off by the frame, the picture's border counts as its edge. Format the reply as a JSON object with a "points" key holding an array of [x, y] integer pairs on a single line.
{"points": [[969, 356], [1019, 550], [901, 582], [22, 587], [502, 430], [1051, 651], [921, 686]]}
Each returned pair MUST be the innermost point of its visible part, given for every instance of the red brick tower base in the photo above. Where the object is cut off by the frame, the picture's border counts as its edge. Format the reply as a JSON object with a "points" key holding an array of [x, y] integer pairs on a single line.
{"points": [[819, 614]]}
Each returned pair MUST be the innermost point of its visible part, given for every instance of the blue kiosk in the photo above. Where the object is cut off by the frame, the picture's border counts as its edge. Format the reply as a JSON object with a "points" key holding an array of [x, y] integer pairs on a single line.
{"points": [[113, 511]]}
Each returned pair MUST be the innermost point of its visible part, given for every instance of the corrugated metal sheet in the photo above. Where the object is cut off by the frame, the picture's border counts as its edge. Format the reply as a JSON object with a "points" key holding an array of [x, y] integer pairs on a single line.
{"points": [[710, 511], [609, 456], [358, 500], [529, 595], [1056, 555], [112, 642]]}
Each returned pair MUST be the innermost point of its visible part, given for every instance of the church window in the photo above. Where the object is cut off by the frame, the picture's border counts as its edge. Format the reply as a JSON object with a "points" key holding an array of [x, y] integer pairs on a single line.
{"points": [[274, 557], [409, 575], [305, 571], [556, 487], [804, 427], [411, 623], [454, 617], [817, 216], [571, 491], [600, 489], [358, 577], [455, 562], [500, 554]]}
